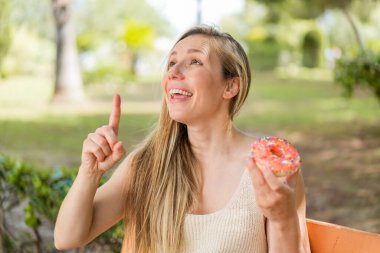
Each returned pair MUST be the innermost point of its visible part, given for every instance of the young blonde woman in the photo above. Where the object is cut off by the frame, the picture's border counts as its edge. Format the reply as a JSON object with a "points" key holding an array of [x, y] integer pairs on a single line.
{"points": [[191, 186]]}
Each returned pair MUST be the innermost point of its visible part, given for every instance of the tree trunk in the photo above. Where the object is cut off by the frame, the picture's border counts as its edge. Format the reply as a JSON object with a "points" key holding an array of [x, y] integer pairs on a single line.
{"points": [[134, 58], [354, 28], [38, 240], [5, 32], [68, 81]]}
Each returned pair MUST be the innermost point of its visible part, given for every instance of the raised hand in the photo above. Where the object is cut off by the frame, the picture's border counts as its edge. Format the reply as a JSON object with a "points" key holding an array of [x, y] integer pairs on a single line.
{"points": [[276, 197], [102, 149]]}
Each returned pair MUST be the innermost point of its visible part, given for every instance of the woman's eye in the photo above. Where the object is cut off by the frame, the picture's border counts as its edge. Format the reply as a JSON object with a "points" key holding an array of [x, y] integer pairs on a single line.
{"points": [[171, 64], [195, 61]]}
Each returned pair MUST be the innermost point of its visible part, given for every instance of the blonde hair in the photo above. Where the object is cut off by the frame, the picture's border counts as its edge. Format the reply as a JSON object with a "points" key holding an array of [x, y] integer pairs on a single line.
{"points": [[164, 173]]}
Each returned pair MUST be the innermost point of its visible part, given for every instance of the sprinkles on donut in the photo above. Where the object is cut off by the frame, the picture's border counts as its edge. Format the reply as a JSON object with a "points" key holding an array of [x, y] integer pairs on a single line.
{"points": [[276, 154]]}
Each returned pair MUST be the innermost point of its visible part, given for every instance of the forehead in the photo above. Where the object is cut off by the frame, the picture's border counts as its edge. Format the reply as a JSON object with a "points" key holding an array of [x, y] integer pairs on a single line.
{"points": [[195, 43]]}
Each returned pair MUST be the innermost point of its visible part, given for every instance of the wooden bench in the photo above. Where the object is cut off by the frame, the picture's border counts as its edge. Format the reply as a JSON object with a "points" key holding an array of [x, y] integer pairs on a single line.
{"points": [[330, 238]]}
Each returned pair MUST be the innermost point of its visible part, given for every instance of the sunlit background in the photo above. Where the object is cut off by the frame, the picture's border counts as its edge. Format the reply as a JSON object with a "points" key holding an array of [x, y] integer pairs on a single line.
{"points": [[316, 82]]}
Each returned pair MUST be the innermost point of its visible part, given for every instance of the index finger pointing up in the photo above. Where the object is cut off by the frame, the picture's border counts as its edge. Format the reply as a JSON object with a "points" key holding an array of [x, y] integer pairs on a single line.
{"points": [[115, 114]]}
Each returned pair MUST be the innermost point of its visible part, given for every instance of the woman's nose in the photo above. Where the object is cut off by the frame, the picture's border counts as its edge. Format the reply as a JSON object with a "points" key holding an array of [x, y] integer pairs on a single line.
{"points": [[175, 72]]}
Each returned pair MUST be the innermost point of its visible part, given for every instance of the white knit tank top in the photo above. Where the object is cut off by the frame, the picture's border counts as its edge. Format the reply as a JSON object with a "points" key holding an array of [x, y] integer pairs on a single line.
{"points": [[237, 228]]}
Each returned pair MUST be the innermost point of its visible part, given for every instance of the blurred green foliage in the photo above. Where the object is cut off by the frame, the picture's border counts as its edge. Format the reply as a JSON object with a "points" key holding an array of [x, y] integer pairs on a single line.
{"points": [[116, 42], [113, 17], [263, 46], [5, 32], [311, 49], [137, 37], [86, 41], [342, 24], [263, 54], [107, 74], [99, 40], [43, 190], [35, 16], [362, 70]]}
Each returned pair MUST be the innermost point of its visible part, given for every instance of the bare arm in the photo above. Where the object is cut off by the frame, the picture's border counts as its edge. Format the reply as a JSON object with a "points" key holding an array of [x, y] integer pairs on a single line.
{"points": [[291, 235], [86, 210], [283, 205]]}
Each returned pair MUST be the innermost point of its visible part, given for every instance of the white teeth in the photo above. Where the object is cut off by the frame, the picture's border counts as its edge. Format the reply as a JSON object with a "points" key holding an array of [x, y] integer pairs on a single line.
{"points": [[181, 92]]}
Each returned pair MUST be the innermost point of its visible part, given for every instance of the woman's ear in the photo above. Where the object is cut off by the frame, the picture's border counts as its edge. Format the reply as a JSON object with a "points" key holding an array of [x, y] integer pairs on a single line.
{"points": [[232, 88]]}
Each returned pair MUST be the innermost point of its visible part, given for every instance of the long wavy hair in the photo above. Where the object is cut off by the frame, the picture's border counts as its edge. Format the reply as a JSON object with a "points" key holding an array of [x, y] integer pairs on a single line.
{"points": [[164, 178]]}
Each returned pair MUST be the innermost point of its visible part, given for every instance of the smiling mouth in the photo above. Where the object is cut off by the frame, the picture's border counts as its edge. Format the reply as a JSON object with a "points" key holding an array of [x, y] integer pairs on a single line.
{"points": [[179, 93]]}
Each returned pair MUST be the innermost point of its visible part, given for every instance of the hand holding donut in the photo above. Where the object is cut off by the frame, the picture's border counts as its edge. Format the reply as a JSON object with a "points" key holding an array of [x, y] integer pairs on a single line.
{"points": [[102, 149], [272, 158]]}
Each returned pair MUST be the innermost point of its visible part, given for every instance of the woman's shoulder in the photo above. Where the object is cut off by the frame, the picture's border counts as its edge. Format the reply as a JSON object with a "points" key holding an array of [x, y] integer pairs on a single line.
{"points": [[247, 138], [123, 168], [243, 143]]}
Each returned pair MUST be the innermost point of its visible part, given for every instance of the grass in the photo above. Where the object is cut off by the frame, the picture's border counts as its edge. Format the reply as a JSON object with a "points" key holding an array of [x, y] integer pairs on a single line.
{"points": [[297, 103], [57, 141], [338, 139]]}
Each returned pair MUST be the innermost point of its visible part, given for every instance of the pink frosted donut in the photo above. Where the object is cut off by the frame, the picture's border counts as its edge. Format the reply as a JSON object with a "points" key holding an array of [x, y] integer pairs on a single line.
{"points": [[277, 155]]}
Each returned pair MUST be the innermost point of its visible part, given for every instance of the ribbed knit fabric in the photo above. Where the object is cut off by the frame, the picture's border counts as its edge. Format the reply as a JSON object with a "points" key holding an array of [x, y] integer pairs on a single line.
{"points": [[237, 228]]}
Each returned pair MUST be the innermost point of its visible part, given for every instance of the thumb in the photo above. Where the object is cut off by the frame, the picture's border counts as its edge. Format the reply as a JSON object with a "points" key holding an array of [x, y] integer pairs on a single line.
{"points": [[118, 151], [291, 180]]}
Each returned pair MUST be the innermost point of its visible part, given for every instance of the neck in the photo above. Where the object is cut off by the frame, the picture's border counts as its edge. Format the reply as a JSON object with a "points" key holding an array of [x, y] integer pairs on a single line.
{"points": [[213, 140]]}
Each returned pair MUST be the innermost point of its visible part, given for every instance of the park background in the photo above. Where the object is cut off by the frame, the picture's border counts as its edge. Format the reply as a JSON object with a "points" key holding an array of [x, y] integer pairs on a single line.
{"points": [[316, 82]]}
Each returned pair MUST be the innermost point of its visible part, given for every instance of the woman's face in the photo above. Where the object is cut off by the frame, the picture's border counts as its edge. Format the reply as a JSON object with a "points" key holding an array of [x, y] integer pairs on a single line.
{"points": [[193, 84]]}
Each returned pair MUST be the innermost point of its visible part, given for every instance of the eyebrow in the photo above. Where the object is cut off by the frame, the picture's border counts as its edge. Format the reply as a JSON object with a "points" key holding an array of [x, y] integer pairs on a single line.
{"points": [[191, 50]]}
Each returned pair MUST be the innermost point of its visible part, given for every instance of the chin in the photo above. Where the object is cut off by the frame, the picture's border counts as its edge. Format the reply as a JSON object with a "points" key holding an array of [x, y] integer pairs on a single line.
{"points": [[179, 117]]}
